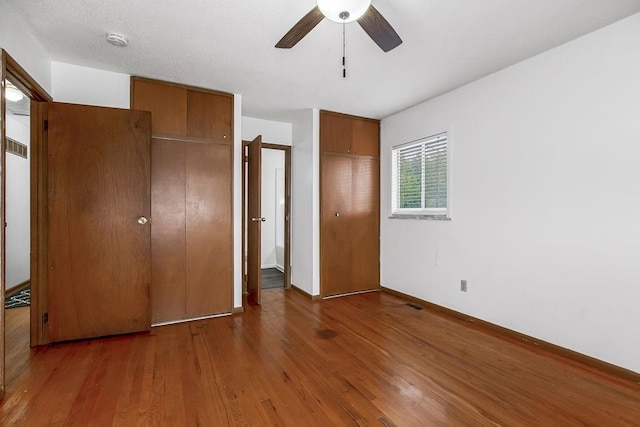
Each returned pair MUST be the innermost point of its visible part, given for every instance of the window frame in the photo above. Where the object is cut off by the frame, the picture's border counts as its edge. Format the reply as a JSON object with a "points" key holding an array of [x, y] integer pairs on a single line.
{"points": [[421, 213]]}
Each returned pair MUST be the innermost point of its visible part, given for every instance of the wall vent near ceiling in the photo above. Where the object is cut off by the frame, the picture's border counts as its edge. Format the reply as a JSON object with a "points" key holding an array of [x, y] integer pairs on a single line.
{"points": [[17, 148]]}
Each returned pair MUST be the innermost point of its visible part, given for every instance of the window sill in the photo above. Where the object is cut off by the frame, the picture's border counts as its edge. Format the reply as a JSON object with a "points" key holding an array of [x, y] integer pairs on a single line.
{"points": [[420, 217]]}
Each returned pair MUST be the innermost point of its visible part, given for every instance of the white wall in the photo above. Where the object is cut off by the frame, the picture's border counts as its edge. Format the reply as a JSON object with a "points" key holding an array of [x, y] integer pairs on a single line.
{"points": [[280, 225], [89, 86], [17, 206], [18, 42], [545, 173], [305, 206], [237, 201], [16, 39], [272, 160], [272, 132]]}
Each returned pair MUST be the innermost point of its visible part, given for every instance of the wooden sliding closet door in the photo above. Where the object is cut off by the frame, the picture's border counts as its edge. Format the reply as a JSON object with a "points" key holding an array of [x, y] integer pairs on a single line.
{"points": [[335, 255], [349, 204], [191, 228], [208, 223], [365, 223], [168, 221]]}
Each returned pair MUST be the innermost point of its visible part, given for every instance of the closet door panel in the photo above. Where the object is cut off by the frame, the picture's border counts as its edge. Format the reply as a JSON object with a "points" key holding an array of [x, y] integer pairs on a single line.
{"points": [[336, 133], [366, 134], [208, 229], [364, 224], [167, 230], [223, 117], [209, 115], [168, 106], [335, 250]]}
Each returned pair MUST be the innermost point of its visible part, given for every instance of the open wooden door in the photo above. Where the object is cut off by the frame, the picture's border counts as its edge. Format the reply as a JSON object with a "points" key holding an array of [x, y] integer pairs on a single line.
{"points": [[254, 220], [98, 230]]}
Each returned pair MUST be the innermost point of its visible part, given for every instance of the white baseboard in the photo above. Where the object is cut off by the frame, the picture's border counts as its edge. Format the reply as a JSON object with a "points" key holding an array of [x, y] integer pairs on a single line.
{"points": [[268, 266], [279, 268]]}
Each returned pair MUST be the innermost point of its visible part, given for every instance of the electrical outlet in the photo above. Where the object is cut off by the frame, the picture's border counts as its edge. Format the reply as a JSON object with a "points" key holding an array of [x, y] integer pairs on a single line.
{"points": [[463, 285]]}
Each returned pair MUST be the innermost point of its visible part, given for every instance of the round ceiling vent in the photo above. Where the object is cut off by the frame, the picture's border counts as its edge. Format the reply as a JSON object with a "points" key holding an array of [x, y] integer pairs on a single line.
{"points": [[117, 39]]}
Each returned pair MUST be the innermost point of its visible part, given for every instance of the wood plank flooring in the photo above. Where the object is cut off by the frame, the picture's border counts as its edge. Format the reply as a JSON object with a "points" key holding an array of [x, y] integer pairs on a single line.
{"points": [[365, 359], [17, 340]]}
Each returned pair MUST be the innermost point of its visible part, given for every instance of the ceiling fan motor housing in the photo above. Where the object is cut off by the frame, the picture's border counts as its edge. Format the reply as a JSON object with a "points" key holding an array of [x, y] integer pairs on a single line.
{"points": [[343, 10]]}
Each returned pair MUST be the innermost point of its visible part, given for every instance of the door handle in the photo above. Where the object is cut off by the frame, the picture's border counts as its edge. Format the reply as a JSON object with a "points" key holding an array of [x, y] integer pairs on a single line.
{"points": [[337, 213], [142, 220], [263, 219]]}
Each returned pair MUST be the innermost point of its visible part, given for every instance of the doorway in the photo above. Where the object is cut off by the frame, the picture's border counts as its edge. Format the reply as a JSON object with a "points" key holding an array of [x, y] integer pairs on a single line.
{"points": [[23, 328], [17, 285], [274, 187], [272, 231]]}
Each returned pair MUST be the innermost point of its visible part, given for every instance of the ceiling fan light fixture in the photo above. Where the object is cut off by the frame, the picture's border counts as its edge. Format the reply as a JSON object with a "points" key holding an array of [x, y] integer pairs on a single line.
{"points": [[334, 9], [12, 93]]}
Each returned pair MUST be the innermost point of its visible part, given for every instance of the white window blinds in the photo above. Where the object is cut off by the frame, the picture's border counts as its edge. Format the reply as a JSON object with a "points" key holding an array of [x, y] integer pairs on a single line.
{"points": [[420, 176]]}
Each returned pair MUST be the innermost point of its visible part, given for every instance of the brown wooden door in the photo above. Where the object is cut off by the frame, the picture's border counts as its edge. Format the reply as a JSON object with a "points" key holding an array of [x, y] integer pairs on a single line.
{"points": [[366, 137], [336, 132], [364, 224], [209, 245], [191, 243], [168, 239], [341, 133], [167, 103], [335, 217], [349, 203], [254, 220], [349, 224], [98, 233]]}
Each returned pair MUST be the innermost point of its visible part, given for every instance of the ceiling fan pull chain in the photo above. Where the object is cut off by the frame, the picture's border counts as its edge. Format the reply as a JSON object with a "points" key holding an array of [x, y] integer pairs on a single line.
{"points": [[344, 44]]}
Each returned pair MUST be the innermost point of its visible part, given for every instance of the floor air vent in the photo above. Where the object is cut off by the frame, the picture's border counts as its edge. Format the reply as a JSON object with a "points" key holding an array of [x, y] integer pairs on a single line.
{"points": [[414, 306]]}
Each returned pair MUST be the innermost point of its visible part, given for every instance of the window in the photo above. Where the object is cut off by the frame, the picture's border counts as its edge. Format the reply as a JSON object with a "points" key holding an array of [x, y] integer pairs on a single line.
{"points": [[419, 181]]}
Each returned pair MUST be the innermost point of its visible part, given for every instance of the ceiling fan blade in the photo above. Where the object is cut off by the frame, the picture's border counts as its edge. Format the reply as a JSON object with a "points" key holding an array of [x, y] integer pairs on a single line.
{"points": [[301, 29], [379, 29]]}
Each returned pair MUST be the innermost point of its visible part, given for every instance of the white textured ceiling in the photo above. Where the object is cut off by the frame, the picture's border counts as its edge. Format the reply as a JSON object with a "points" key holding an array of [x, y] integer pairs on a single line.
{"points": [[228, 45]]}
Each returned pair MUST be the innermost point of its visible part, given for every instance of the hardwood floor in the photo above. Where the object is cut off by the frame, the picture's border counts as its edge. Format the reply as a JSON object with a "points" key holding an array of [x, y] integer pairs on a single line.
{"points": [[365, 359], [17, 340]]}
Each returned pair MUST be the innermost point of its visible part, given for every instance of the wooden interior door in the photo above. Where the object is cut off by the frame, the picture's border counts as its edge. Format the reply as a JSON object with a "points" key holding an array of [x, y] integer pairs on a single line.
{"points": [[99, 231], [364, 224], [254, 220], [335, 217]]}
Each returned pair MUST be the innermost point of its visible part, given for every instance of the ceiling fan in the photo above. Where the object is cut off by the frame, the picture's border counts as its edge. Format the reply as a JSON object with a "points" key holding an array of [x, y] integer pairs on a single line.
{"points": [[343, 12]]}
